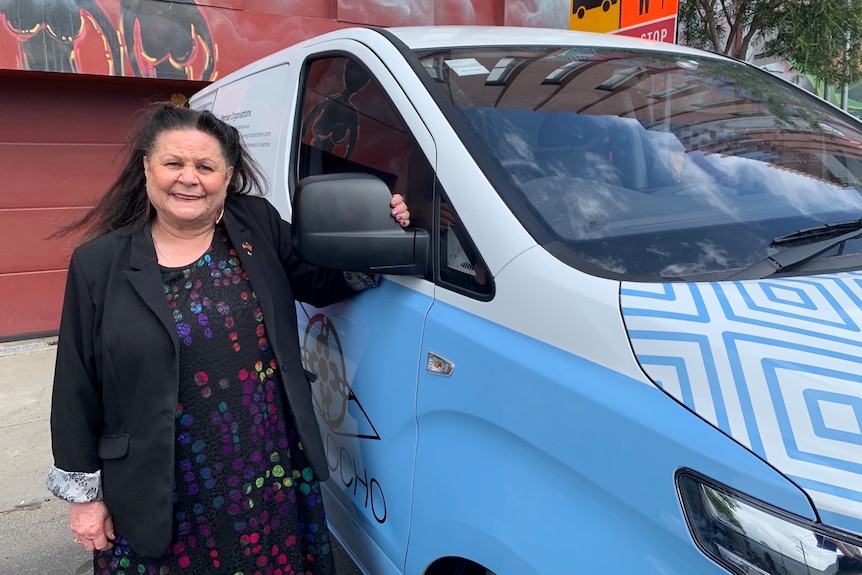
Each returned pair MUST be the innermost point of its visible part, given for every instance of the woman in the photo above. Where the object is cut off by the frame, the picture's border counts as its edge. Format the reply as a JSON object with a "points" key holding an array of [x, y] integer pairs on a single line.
{"points": [[183, 431]]}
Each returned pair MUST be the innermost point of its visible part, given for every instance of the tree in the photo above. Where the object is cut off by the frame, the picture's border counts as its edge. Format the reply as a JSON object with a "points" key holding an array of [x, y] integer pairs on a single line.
{"points": [[819, 37]]}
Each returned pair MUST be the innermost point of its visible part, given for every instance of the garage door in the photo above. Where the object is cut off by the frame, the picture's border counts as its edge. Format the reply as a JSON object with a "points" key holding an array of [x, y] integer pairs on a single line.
{"points": [[61, 144]]}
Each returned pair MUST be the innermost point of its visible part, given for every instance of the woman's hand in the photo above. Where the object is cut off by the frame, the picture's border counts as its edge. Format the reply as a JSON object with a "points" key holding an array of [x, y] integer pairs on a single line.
{"points": [[91, 525], [400, 211]]}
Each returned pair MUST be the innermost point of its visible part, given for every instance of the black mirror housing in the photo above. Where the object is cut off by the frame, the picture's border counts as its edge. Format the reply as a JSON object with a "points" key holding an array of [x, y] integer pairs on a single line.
{"points": [[342, 221]]}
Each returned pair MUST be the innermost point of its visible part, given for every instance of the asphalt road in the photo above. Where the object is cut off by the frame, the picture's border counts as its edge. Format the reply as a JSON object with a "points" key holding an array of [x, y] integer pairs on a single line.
{"points": [[35, 540]]}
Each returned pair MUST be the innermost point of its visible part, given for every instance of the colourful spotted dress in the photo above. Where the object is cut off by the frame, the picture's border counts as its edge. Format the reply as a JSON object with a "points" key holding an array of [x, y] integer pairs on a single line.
{"points": [[246, 501]]}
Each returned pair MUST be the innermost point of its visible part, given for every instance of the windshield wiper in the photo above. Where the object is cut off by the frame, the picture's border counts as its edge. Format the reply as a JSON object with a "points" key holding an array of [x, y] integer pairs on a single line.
{"points": [[825, 238], [818, 232]]}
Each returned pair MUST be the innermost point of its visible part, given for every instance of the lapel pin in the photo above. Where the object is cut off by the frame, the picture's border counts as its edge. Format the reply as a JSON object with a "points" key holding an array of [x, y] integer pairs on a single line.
{"points": [[248, 248]]}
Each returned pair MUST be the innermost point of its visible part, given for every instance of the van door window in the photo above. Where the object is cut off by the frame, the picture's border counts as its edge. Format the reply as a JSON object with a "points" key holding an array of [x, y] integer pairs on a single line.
{"points": [[348, 124]]}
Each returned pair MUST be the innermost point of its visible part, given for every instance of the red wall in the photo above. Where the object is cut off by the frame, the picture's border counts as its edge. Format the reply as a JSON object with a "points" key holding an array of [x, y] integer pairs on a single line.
{"points": [[59, 142]]}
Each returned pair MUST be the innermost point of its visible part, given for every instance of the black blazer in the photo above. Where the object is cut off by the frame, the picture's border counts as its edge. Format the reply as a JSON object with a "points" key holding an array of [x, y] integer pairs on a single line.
{"points": [[116, 375]]}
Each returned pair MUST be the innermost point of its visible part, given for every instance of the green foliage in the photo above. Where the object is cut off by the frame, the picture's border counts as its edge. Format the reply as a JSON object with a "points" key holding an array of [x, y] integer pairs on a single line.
{"points": [[727, 26], [813, 34], [698, 30]]}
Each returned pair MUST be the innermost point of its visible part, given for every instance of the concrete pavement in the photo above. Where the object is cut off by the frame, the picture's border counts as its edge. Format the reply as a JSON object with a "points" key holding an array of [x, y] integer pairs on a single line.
{"points": [[34, 536], [26, 372]]}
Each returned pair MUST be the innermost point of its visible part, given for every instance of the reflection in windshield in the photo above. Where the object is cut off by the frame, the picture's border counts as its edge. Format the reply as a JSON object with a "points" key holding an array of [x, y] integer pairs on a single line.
{"points": [[651, 165]]}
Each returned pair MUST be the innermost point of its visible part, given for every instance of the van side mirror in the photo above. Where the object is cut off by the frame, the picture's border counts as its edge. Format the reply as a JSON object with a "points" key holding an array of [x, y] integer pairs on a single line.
{"points": [[341, 221]]}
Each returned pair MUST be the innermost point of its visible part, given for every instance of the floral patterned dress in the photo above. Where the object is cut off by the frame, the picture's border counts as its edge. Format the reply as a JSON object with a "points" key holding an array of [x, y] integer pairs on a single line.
{"points": [[246, 501]]}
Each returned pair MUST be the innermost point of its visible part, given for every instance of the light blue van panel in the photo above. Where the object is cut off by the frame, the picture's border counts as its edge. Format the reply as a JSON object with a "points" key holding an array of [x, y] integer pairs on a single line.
{"points": [[524, 430], [364, 352]]}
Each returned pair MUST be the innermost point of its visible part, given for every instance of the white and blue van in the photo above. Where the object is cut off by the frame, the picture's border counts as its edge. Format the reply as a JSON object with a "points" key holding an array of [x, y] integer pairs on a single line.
{"points": [[623, 335]]}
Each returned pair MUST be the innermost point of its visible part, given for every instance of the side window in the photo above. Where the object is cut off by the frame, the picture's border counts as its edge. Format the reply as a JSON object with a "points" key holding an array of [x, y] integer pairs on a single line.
{"points": [[460, 266], [350, 125]]}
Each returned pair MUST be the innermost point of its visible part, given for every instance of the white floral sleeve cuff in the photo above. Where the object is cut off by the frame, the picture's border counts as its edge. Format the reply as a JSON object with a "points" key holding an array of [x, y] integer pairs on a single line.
{"points": [[74, 486], [360, 281]]}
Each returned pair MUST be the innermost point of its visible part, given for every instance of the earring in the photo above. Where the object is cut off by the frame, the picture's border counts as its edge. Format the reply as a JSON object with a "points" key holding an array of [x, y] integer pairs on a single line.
{"points": [[221, 213]]}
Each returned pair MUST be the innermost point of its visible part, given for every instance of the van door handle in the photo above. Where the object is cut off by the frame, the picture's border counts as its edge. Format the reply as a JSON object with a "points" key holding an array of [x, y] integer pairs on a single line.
{"points": [[438, 365]]}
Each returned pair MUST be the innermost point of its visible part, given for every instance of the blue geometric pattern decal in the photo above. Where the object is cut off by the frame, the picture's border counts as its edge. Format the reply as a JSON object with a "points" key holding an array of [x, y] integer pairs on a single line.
{"points": [[776, 364]]}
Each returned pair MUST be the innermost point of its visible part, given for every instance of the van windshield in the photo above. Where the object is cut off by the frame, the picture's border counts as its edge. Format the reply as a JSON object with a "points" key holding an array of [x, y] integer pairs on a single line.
{"points": [[655, 165]]}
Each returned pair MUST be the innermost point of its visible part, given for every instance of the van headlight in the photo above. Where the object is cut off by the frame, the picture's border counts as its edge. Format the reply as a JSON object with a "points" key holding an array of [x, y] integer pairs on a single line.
{"points": [[748, 537]]}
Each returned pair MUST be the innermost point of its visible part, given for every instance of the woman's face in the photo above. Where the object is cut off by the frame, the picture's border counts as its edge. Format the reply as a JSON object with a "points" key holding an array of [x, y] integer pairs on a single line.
{"points": [[187, 178]]}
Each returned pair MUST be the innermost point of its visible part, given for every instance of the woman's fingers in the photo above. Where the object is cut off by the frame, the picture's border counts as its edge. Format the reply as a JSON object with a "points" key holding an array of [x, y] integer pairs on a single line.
{"points": [[400, 211], [101, 542], [91, 525], [109, 527]]}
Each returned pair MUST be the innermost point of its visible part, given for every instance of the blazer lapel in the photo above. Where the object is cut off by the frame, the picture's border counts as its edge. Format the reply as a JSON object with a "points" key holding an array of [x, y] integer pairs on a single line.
{"points": [[146, 278], [254, 265]]}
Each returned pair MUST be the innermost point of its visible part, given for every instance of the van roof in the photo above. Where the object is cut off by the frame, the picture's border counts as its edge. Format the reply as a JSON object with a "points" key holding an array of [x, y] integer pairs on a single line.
{"points": [[425, 37]]}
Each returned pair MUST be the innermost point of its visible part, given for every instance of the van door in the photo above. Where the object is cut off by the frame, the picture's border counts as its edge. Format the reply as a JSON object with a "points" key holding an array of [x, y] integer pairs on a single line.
{"points": [[253, 105], [353, 117]]}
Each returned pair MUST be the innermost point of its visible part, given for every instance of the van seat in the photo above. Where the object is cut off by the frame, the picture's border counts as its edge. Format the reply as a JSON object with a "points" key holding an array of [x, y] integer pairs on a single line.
{"points": [[575, 145]]}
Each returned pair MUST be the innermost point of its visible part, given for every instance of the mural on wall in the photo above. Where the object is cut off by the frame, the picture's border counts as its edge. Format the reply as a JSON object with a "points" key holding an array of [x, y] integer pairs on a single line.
{"points": [[538, 13], [145, 38], [590, 15], [58, 35], [203, 40], [168, 40]]}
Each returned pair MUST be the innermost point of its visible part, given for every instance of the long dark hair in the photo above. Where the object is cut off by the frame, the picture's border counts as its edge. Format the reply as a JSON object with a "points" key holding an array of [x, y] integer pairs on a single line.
{"points": [[126, 199]]}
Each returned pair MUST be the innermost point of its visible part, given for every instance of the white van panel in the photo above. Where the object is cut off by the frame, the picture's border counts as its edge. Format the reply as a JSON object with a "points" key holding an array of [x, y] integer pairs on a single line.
{"points": [[256, 106], [568, 309], [205, 101]]}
